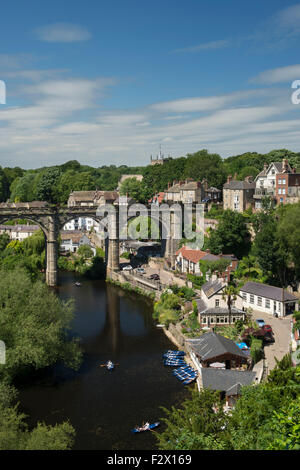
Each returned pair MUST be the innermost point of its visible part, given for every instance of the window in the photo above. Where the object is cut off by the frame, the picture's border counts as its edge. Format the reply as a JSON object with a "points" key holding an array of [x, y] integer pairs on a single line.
{"points": [[259, 301], [204, 320], [279, 181], [283, 181], [279, 190], [244, 295], [251, 299], [217, 303], [267, 303], [283, 190]]}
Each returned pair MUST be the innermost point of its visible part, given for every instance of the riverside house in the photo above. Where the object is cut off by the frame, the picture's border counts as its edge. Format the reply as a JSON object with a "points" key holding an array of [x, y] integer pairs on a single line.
{"points": [[213, 309], [268, 299], [216, 351]]}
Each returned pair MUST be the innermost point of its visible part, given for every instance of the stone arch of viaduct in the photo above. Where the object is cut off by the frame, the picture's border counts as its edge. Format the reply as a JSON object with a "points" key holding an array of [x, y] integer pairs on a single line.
{"points": [[51, 219]]}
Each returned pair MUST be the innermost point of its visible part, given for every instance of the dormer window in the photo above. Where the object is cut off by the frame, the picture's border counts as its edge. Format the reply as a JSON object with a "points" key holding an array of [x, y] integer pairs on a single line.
{"points": [[273, 172]]}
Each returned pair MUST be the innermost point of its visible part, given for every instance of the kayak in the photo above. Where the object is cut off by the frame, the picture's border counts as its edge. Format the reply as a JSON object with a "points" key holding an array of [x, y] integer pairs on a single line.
{"points": [[110, 365], [145, 427]]}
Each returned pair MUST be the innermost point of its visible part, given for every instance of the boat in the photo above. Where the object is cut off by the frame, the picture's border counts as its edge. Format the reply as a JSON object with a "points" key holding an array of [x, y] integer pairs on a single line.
{"points": [[178, 353], [78, 284], [145, 427], [110, 365]]}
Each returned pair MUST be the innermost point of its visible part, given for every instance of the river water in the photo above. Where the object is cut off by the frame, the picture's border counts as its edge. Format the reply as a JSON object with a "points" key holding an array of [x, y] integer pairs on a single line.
{"points": [[104, 406]]}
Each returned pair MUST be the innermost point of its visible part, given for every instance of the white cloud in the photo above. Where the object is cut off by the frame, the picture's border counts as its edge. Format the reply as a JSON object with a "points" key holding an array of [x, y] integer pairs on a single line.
{"points": [[278, 75], [289, 19], [202, 47], [65, 119], [62, 32]]}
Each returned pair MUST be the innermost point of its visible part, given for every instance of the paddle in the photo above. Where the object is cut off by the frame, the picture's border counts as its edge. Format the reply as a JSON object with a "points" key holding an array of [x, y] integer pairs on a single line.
{"points": [[105, 365]]}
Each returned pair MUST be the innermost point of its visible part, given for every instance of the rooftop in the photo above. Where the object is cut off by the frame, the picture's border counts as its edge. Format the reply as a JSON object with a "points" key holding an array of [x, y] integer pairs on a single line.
{"points": [[226, 380], [211, 287], [211, 345], [269, 292]]}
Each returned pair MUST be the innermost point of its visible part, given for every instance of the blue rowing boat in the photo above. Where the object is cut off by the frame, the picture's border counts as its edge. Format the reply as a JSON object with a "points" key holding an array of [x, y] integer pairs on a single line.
{"points": [[145, 427], [177, 353]]}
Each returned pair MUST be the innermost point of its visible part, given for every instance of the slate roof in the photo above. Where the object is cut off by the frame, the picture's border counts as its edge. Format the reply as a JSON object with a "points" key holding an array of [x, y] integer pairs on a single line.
{"points": [[234, 184], [201, 305], [211, 345], [226, 380], [84, 195], [220, 311], [269, 292], [211, 287], [278, 166], [20, 228]]}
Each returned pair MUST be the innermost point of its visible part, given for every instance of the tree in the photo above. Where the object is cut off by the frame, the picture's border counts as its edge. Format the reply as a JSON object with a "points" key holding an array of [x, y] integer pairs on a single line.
{"points": [[197, 425], [33, 325], [231, 235], [85, 251], [46, 185], [229, 294], [203, 165], [135, 189], [15, 433]]}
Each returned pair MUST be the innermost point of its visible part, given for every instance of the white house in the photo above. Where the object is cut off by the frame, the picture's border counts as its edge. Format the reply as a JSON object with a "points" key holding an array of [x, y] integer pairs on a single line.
{"points": [[213, 308], [82, 223], [265, 181], [268, 299], [19, 232], [71, 240]]}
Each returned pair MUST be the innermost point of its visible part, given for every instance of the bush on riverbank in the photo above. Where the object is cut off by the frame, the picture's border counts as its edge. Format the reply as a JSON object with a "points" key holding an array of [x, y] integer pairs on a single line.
{"points": [[33, 325], [93, 268], [168, 309], [15, 433]]}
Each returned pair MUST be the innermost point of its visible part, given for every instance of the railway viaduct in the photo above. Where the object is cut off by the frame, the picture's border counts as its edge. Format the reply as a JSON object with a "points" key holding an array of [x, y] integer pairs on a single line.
{"points": [[51, 220]]}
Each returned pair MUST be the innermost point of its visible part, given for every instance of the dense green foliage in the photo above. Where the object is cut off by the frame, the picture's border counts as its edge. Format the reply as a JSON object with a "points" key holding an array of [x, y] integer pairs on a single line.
{"points": [[15, 434], [231, 235], [54, 184]]}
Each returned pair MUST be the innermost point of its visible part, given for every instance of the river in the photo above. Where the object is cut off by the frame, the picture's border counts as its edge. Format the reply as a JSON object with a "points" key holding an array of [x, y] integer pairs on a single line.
{"points": [[104, 406]]}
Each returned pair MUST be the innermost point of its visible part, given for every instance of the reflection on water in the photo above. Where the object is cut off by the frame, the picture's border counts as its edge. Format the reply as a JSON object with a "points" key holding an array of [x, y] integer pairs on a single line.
{"points": [[104, 406]]}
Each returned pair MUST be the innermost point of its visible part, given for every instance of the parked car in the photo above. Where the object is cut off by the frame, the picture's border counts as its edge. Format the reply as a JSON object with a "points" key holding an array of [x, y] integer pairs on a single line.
{"points": [[267, 329], [140, 270], [155, 277], [260, 322], [128, 268]]}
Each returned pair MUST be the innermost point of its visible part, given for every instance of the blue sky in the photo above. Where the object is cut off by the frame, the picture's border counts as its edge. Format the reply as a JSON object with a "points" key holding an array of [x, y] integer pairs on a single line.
{"points": [[108, 82]]}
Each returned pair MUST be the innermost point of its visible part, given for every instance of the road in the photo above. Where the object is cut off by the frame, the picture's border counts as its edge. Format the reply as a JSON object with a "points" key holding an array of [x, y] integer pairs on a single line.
{"points": [[282, 334]]}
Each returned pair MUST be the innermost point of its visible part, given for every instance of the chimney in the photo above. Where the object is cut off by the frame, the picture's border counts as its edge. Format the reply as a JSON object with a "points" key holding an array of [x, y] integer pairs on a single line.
{"points": [[294, 170], [169, 185], [229, 178], [249, 179], [285, 165], [265, 167], [235, 176]]}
